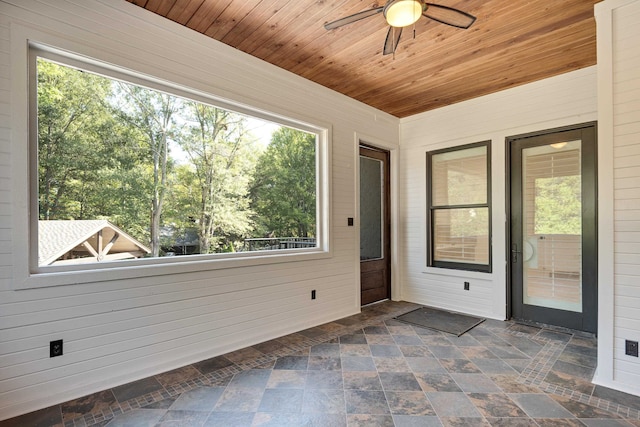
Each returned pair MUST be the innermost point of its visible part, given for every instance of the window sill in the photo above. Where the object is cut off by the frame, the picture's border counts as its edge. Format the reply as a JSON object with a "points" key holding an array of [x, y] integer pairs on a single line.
{"points": [[457, 273], [163, 267]]}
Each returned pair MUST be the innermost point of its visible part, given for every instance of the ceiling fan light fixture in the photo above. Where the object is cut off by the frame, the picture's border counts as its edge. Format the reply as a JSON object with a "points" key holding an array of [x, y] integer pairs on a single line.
{"points": [[402, 13], [558, 145]]}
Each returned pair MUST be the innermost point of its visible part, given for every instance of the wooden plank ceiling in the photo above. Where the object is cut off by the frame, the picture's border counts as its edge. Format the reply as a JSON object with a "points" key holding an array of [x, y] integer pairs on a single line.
{"points": [[511, 43]]}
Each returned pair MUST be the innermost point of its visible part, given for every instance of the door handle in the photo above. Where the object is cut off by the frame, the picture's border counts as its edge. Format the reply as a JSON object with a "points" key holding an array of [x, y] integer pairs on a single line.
{"points": [[514, 253]]}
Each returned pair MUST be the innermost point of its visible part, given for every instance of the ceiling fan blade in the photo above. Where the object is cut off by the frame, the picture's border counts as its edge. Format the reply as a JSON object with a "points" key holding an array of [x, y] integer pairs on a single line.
{"points": [[352, 18], [392, 40], [448, 15]]}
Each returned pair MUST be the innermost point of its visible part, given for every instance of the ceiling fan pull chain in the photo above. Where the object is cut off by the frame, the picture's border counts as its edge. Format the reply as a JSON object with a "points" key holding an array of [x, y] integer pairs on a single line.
{"points": [[415, 19]]}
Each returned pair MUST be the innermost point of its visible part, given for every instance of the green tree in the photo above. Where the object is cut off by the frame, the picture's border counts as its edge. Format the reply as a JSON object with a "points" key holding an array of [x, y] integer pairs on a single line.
{"points": [[92, 163], [72, 117], [222, 160], [284, 188], [558, 205], [154, 115]]}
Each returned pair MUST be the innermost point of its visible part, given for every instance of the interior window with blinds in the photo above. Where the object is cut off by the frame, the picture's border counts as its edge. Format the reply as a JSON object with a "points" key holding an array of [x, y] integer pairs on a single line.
{"points": [[459, 215]]}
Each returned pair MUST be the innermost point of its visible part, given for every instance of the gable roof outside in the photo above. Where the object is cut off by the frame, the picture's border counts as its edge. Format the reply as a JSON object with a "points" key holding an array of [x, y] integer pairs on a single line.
{"points": [[56, 238]]}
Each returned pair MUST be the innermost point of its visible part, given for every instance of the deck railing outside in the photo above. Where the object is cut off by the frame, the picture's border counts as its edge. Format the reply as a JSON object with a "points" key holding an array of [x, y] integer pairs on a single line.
{"points": [[274, 243]]}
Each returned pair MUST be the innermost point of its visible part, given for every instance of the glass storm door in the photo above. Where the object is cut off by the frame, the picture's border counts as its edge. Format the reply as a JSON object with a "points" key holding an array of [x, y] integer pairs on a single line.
{"points": [[553, 229], [375, 261]]}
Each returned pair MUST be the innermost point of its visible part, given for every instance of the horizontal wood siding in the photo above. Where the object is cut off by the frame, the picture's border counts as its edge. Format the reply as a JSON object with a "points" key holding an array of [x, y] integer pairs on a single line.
{"points": [[563, 100], [121, 330], [626, 175], [5, 156]]}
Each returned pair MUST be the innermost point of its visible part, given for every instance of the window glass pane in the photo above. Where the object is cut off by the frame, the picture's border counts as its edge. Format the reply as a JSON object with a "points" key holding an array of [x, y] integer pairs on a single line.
{"points": [[459, 177], [552, 226], [371, 210], [127, 172], [557, 189], [461, 235]]}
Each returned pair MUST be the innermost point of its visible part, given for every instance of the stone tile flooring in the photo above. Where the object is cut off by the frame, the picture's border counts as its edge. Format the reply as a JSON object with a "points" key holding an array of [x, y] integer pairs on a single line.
{"points": [[371, 370]]}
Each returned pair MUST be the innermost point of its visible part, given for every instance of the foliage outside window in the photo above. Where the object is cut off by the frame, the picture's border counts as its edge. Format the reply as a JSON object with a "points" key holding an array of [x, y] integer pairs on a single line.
{"points": [[557, 183], [459, 214], [150, 173]]}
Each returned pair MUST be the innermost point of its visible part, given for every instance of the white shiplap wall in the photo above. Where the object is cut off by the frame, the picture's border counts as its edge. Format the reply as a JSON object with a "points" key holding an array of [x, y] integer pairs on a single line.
{"points": [[563, 100], [626, 157], [121, 330], [619, 134]]}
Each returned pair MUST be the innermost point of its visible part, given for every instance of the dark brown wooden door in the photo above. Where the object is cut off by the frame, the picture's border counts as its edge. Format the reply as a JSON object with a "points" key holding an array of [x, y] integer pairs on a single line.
{"points": [[375, 257]]}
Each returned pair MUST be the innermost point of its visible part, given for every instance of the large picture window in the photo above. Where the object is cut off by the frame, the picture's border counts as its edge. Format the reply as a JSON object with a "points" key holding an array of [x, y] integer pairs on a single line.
{"points": [[129, 171], [459, 215]]}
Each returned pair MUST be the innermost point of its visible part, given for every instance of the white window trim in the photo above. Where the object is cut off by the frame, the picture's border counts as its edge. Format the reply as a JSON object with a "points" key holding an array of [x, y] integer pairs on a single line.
{"points": [[26, 40]]}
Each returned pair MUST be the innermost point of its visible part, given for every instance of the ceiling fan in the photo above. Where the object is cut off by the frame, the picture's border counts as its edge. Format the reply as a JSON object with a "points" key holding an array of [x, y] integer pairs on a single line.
{"points": [[402, 13]]}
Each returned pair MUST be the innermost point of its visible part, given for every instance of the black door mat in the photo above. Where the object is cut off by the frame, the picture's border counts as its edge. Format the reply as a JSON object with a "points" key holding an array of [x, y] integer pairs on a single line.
{"points": [[440, 320]]}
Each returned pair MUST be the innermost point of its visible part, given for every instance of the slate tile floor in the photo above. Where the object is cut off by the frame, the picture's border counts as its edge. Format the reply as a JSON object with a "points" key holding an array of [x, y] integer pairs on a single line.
{"points": [[370, 370]]}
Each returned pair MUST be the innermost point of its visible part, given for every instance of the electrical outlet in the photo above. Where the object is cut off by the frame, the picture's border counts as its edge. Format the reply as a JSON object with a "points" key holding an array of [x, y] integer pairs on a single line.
{"points": [[466, 286], [55, 348], [350, 222], [631, 348], [313, 294]]}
